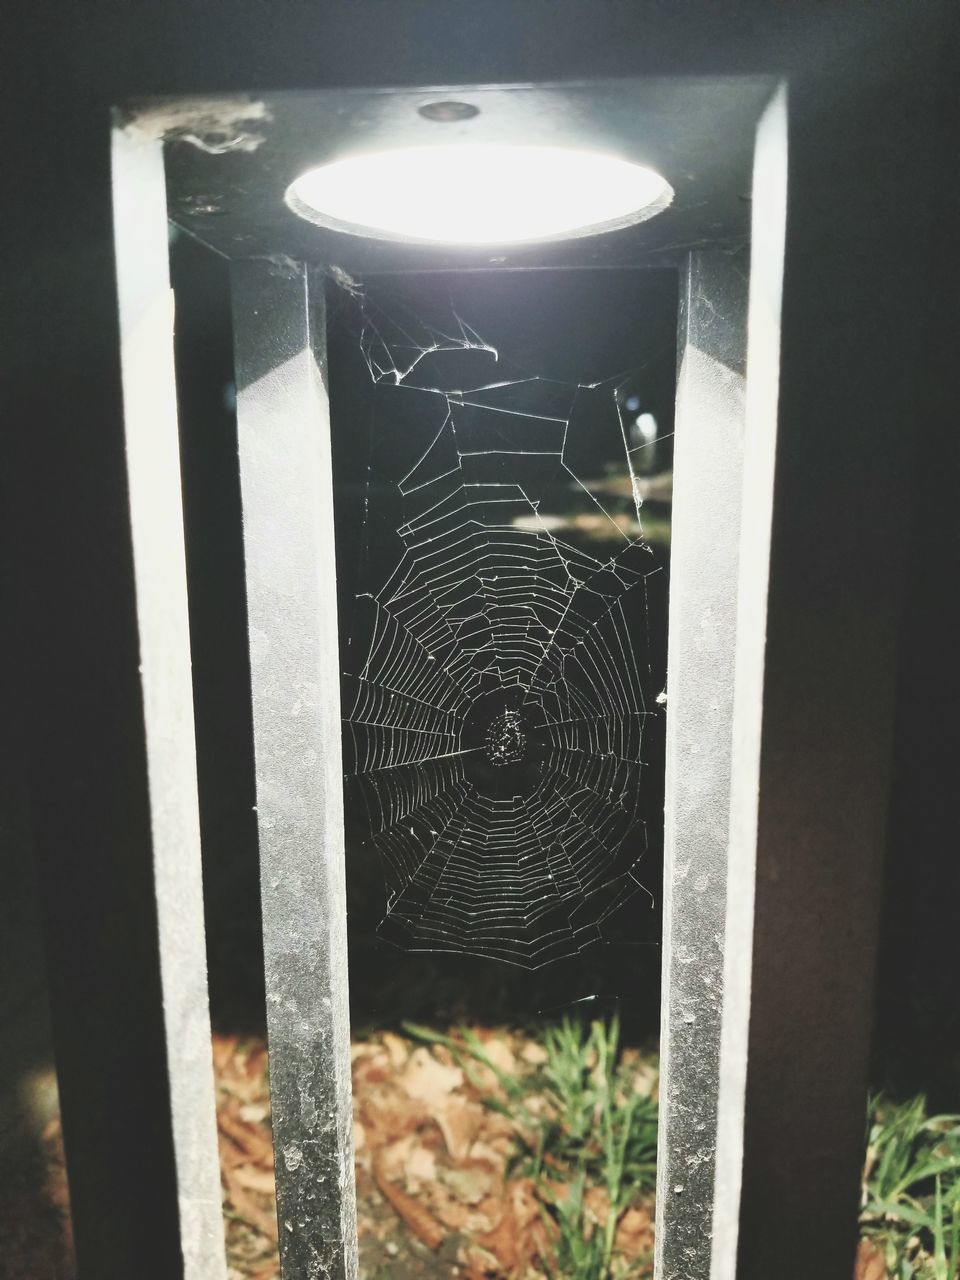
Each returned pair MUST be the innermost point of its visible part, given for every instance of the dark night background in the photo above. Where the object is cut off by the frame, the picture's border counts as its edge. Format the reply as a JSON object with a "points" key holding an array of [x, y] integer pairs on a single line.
{"points": [[71, 727]]}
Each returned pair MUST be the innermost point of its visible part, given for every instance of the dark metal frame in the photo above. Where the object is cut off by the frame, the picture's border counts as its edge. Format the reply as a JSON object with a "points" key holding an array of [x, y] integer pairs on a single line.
{"points": [[859, 272]]}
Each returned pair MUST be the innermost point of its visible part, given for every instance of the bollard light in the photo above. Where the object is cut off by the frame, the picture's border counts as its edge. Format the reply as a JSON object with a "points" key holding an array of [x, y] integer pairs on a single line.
{"points": [[478, 193]]}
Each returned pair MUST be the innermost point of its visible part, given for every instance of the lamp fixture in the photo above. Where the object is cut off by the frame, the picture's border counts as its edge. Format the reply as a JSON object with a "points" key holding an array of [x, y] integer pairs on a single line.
{"points": [[476, 193]]}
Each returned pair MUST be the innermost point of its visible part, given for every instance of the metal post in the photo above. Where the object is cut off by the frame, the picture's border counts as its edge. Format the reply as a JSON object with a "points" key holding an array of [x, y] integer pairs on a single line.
{"points": [[286, 485], [760, 447], [708, 485], [831, 409], [156, 517]]}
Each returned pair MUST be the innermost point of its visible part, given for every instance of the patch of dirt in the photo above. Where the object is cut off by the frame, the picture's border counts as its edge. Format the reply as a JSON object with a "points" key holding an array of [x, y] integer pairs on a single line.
{"points": [[36, 1238], [436, 1193]]}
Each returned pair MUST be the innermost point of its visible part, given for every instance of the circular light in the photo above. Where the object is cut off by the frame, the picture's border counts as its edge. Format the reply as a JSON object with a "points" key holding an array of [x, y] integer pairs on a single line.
{"points": [[478, 193]]}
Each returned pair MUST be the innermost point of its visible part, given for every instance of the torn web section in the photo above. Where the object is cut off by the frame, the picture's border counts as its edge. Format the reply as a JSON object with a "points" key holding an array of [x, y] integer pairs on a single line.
{"points": [[503, 616]]}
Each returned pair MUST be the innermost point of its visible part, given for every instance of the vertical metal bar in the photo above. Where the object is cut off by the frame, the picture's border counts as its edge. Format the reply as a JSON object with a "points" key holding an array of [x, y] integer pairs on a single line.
{"points": [[708, 485], [762, 399], [286, 485], [156, 516], [832, 378]]}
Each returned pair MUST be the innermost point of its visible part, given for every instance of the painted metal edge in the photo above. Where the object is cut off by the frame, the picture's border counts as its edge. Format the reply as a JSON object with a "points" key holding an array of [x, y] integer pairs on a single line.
{"points": [[705, 542], [287, 496], [762, 402], [156, 516]]}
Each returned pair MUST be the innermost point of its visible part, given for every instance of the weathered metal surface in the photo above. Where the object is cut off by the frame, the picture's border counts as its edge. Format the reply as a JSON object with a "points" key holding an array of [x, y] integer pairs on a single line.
{"points": [[227, 188], [705, 537], [760, 448], [285, 469], [156, 517]]}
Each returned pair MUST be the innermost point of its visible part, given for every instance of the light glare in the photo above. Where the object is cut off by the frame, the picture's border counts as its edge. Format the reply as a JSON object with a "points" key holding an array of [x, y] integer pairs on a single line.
{"points": [[478, 193]]}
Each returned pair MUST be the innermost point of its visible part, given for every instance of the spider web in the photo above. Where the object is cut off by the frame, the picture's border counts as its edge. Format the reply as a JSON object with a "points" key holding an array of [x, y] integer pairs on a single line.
{"points": [[495, 723]]}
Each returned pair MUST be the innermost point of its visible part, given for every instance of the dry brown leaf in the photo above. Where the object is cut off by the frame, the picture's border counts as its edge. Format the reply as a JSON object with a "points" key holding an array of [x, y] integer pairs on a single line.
{"points": [[426, 1079], [524, 1203], [256, 1063], [596, 1206], [499, 1131], [495, 1152], [870, 1264], [249, 1138], [471, 1181], [534, 1054], [363, 1049], [443, 1054], [634, 1236], [419, 1221], [387, 1114], [519, 1239], [421, 1166], [224, 1048], [374, 1070], [230, 1153], [254, 1112], [265, 1220], [244, 1076], [646, 1080], [391, 1159], [480, 1263], [255, 1179], [501, 1055], [493, 1208], [503, 1243], [460, 1122], [397, 1050], [448, 1210]]}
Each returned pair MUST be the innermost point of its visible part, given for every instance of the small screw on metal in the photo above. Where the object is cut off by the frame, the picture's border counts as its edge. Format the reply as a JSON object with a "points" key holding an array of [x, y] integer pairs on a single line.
{"points": [[448, 112]]}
